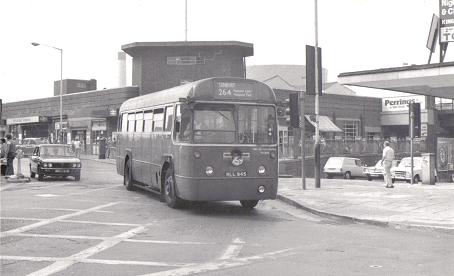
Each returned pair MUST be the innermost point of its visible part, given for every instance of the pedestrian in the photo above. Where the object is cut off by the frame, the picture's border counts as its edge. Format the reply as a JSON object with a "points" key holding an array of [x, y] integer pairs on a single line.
{"points": [[3, 156], [76, 145], [10, 155], [387, 162]]}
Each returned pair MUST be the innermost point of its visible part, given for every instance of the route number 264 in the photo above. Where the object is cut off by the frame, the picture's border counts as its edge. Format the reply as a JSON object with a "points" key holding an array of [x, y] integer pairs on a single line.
{"points": [[224, 92]]}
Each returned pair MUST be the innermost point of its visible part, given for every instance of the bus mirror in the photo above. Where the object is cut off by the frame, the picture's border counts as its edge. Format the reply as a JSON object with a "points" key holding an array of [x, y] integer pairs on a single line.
{"points": [[177, 126]]}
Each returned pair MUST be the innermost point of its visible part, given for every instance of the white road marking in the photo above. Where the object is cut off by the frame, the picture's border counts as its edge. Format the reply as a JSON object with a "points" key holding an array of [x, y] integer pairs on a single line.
{"points": [[16, 218], [95, 261], [69, 210], [221, 264], [77, 221], [47, 195], [52, 220], [60, 236], [84, 254], [233, 250]]}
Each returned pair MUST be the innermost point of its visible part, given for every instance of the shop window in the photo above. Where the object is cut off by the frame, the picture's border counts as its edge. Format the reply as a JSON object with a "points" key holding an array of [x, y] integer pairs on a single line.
{"points": [[169, 118], [148, 121], [158, 119]]}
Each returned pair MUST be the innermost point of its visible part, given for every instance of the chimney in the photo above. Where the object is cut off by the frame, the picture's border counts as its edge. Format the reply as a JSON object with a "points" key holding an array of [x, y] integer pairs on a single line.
{"points": [[121, 69]]}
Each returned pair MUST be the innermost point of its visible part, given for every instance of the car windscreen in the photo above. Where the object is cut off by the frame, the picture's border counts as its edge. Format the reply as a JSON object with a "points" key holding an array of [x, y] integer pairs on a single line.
{"points": [[334, 163], [56, 152], [256, 125]]}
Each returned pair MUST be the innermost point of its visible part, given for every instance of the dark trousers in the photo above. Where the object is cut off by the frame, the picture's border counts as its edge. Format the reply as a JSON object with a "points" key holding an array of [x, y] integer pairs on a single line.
{"points": [[9, 166]]}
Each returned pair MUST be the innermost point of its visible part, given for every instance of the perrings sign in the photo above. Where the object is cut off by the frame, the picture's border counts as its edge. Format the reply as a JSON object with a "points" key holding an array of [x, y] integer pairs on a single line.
{"points": [[401, 103]]}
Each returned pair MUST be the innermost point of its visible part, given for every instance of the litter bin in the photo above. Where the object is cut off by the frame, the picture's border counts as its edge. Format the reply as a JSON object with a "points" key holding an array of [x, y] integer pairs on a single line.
{"points": [[428, 168], [102, 149]]}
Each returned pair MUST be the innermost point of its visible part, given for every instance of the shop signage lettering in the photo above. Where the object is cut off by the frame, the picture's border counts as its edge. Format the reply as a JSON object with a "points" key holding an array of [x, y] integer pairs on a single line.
{"points": [[446, 20], [23, 120], [401, 103]]}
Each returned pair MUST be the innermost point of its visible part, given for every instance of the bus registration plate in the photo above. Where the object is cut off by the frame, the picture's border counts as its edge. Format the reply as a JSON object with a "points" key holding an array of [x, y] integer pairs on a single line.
{"points": [[235, 174]]}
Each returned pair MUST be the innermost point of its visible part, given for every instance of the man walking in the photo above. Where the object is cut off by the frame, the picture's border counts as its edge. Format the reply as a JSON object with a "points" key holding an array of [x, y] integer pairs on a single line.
{"points": [[10, 155], [387, 162], [77, 147]]}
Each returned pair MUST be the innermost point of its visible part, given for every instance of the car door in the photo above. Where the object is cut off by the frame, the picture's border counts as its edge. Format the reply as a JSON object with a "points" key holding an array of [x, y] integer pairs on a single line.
{"points": [[358, 169]]}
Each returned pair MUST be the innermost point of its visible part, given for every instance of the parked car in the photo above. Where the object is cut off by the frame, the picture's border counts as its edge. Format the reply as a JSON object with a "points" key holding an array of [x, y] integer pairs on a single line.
{"points": [[28, 145], [347, 167], [377, 171], [403, 171], [54, 160]]}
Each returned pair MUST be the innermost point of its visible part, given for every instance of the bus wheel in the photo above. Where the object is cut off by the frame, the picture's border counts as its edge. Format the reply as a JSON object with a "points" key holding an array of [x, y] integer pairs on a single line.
{"points": [[127, 177], [248, 204], [171, 198]]}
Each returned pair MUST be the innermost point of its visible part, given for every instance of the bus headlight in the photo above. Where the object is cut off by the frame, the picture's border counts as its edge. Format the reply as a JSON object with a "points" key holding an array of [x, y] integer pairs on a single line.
{"points": [[261, 170], [273, 155], [209, 171], [197, 154], [261, 189]]}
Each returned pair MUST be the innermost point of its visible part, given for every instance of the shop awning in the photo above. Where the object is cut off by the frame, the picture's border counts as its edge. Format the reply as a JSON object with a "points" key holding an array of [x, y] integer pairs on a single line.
{"points": [[325, 124], [429, 79]]}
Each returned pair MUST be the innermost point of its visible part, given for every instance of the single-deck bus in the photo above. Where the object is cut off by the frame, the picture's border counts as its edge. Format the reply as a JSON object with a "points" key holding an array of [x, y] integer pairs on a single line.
{"points": [[209, 140]]}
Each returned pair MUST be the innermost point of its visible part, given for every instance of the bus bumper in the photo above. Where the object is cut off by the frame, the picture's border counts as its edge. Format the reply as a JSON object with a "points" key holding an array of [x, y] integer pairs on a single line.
{"points": [[209, 189]]}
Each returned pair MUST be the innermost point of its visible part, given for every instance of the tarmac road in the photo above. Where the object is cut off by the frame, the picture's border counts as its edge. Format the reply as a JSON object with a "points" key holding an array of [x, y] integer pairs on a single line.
{"points": [[96, 227]]}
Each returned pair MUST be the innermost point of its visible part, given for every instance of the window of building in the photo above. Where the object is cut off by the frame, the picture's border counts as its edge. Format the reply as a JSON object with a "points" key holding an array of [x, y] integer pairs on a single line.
{"points": [[185, 60], [158, 119], [350, 128], [81, 85], [169, 118], [148, 121]]}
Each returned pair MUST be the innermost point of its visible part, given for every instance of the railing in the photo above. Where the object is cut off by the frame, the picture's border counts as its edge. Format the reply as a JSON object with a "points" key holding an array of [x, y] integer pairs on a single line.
{"points": [[351, 147]]}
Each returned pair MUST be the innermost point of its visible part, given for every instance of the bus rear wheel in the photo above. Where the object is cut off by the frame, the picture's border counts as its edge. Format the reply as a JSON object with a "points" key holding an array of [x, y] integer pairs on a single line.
{"points": [[172, 200], [248, 204], [127, 177]]}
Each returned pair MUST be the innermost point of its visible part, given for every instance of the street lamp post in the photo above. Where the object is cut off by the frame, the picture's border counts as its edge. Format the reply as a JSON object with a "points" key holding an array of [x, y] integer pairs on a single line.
{"points": [[60, 132]]}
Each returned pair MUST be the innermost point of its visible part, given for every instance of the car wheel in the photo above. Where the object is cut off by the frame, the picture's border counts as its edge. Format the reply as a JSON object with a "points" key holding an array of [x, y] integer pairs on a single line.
{"points": [[40, 174], [369, 178], [248, 204], [32, 174], [127, 177], [329, 176], [348, 175], [416, 179], [393, 180], [172, 200], [77, 176]]}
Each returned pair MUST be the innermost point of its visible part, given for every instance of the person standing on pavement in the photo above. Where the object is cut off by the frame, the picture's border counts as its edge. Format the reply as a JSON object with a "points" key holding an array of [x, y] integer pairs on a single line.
{"points": [[77, 147], [10, 155], [3, 156], [387, 162]]}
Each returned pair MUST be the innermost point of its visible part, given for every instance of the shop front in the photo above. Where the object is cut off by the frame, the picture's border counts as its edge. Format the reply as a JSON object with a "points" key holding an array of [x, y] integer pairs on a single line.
{"points": [[29, 127]]}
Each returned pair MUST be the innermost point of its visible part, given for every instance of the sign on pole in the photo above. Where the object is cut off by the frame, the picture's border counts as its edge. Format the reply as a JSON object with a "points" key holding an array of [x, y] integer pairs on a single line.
{"points": [[446, 20]]}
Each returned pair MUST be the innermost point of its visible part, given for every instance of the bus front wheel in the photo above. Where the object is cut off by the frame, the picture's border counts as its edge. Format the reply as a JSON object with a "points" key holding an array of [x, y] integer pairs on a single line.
{"points": [[248, 204], [172, 200]]}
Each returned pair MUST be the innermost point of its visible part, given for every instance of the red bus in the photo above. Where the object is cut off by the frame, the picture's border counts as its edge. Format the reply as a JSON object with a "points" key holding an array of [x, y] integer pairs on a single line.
{"points": [[209, 140]]}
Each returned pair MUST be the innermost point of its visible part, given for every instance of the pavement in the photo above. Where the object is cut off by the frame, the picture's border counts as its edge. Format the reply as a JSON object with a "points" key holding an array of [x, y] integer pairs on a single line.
{"points": [[406, 206]]}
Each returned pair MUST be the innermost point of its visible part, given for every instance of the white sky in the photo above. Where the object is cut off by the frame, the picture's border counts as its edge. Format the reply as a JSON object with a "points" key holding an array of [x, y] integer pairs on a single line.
{"points": [[354, 34]]}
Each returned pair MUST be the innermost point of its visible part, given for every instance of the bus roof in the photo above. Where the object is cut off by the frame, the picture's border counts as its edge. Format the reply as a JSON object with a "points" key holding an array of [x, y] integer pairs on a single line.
{"points": [[211, 89]]}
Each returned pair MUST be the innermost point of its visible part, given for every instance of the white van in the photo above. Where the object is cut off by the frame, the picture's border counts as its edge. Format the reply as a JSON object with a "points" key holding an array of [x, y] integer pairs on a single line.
{"points": [[403, 171], [347, 167]]}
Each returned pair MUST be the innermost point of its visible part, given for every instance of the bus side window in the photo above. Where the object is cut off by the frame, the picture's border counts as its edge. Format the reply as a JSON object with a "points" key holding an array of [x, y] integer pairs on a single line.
{"points": [[131, 122], [148, 121], [158, 119], [124, 122], [169, 118], [139, 122]]}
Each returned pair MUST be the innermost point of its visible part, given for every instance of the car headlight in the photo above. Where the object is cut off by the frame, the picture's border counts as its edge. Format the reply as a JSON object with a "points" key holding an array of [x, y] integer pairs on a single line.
{"points": [[209, 170], [261, 170], [74, 165], [44, 165], [79, 165], [49, 165]]}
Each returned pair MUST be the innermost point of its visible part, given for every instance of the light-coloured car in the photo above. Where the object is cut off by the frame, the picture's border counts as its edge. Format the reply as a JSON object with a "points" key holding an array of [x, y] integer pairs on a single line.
{"points": [[28, 145], [54, 160], [377, 171], [347, 167], [403, 171]]}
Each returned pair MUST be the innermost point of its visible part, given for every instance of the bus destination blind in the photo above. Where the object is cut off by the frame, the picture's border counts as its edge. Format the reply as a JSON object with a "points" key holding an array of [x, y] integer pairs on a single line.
{"points": [[234, 90]]}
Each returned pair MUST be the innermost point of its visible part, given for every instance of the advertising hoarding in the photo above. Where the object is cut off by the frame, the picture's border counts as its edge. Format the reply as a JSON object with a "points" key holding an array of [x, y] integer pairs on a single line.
{"points": [[395, 104], [446, 20]]}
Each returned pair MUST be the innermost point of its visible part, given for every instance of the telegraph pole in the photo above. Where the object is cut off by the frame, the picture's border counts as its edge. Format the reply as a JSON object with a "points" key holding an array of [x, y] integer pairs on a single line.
{"points": [[317, 130], [303, 140]]}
